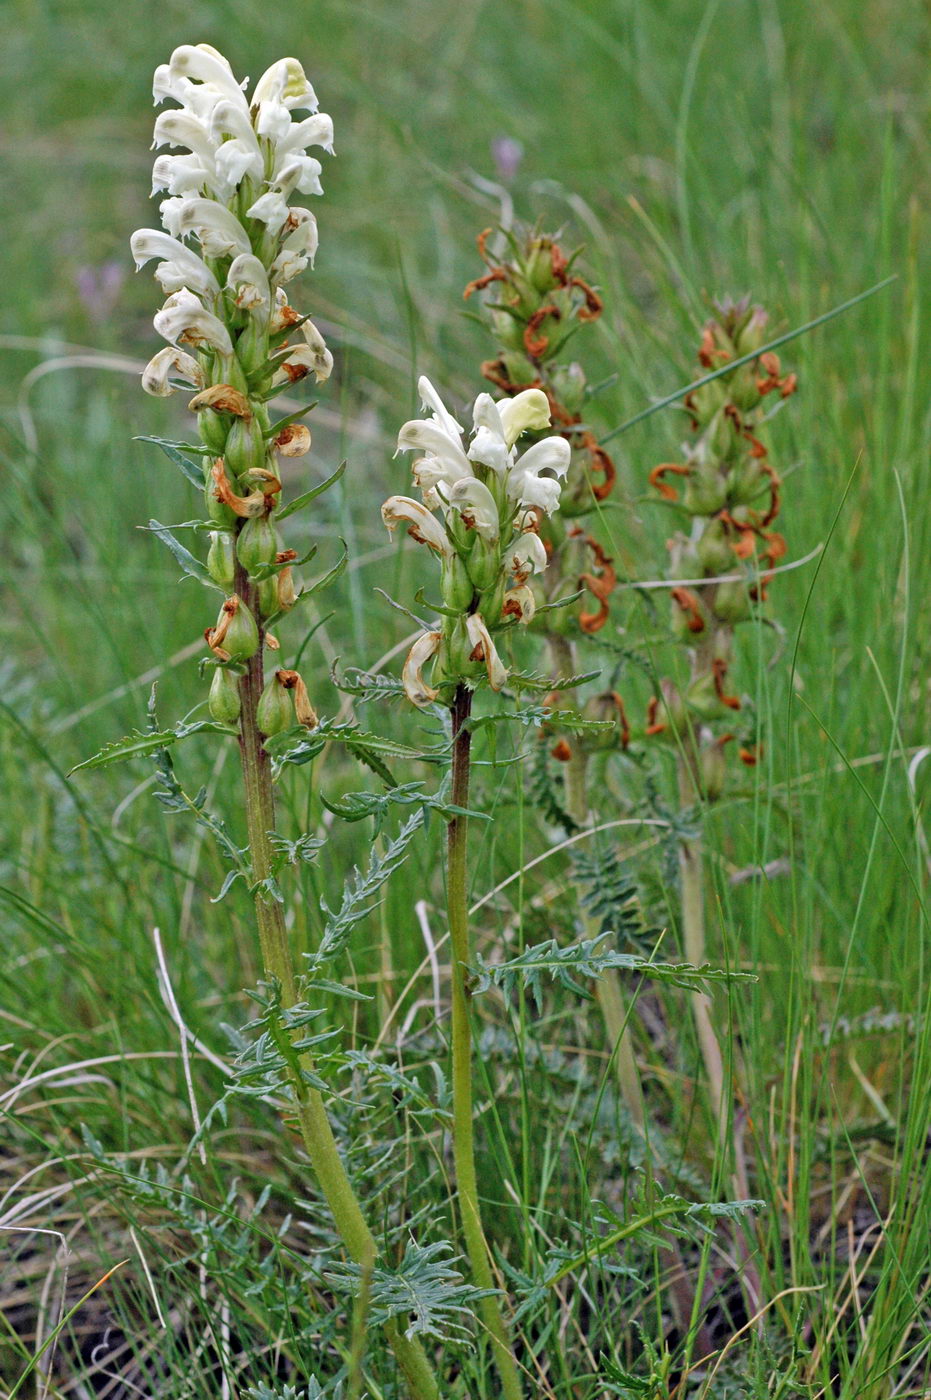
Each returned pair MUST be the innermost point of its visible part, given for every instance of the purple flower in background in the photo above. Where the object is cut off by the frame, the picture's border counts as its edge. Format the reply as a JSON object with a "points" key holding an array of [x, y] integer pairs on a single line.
{"points": [[507, 153], [99, 287]]}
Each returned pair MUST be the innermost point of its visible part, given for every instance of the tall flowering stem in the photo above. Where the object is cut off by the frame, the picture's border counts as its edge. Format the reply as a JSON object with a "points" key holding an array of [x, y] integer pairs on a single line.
{"points": [[534, 300], [482, 508], [727, 488], [229, 325]]}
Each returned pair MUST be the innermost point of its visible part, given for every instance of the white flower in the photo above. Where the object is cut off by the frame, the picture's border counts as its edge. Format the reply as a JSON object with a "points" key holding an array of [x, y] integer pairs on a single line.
{"points": [[489, 446], [311, 358], [526, 486], [312, 131], [440, 436], [423, 526], [528, 410], [185, 318], [211, 73], [526, 556], [297, 248], [180, 175], [181, 266], [475, 503], [155, 375], [182, 128], [425, 647], [285, 82], [483, 649], [498, 425], [519, 603], [248, 281], [271, 209], [219, 232], [299, 173]]}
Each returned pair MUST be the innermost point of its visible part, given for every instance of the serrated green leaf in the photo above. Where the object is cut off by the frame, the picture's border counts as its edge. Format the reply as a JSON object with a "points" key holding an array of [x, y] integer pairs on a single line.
{"points": [[300, 502], [191, 566], [174, 451], [138, 745]]}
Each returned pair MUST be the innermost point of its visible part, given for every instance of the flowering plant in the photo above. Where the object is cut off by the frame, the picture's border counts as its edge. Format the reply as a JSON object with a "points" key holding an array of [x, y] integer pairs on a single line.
{"points": [[480, 514]]}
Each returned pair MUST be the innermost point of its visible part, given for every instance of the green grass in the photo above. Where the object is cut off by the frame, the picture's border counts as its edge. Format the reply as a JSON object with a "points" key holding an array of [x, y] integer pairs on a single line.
{"points": [[768, 147]]}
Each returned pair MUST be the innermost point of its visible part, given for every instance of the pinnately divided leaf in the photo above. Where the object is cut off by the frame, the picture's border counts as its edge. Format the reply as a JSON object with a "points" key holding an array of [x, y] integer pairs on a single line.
{"points": [[587, 960], [359, 892], [425, 1290]]}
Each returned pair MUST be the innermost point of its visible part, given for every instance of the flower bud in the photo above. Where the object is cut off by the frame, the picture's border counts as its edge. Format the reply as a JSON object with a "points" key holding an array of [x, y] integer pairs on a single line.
{"points": [[268, 596], [702, 697], [221, 558], [484, 562], [713, 767], [224, 702], [568, 384], [245, 446], [753, 332], [732, 601], [235, 637], [519, 367], [274, 712], [457, 586], [713, 548], [212, 430], [705, 490], [217, 511], [509, 332], [491, 603], [256, 543]]}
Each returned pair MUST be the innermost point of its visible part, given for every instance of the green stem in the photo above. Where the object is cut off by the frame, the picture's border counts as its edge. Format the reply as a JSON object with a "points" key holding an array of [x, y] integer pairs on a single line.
{"points": [[463, 1113], [316, 1131], [608, 989], [691, 876]]}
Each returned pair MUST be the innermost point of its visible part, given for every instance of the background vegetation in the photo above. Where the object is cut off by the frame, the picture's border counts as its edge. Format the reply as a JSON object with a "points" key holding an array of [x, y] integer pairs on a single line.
{"points": [[749, 145]]}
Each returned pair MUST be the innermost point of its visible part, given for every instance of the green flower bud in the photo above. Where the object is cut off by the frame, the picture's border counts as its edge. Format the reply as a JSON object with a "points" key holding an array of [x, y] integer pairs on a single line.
{"points": [[268, 596], [235, 634], [714, 551], [732, 601], [217, 510], [221, 558], [491, 602], [705, 402], [747, 482], [484, 562], [742, 388], [752, 333], [705, 490], [274, 712], [702, 698], [245, 446], [507, 331], [256, 543], [252, 345], [224, 702], [539, 265], [714, 768], [568, 384], [518, 367], [457, 586], [212, 430]]}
